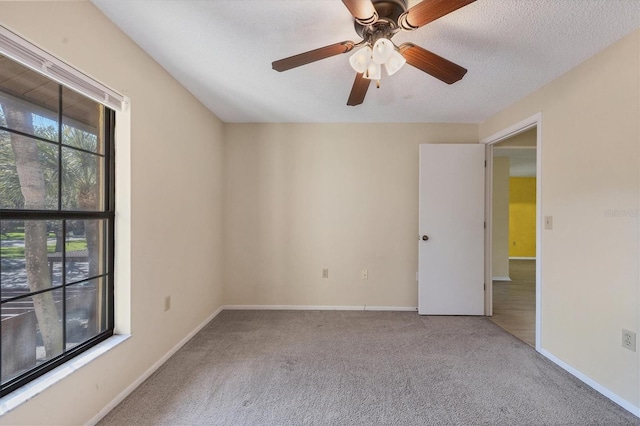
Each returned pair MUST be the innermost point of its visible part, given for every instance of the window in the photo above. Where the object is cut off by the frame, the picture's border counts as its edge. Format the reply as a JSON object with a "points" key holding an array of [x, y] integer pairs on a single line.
{"points": [[56, 224]]}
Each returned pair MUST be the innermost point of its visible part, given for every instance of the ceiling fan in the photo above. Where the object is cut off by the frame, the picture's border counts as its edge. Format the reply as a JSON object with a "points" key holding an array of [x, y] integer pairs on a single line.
{"points": [[377, 21]]}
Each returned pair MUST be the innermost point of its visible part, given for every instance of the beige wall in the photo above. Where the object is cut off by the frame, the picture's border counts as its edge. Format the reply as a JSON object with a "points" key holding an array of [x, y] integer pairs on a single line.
{"points": [[590, 161], [526, 139], [500, 222], [299, 198], [303, 197], [176, 192]]}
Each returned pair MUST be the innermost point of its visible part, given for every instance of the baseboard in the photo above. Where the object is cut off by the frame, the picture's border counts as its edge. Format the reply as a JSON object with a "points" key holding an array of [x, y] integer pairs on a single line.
{"points": [[501, 279], [595, 385], [122, 395], [319, 308], [521, 258]]}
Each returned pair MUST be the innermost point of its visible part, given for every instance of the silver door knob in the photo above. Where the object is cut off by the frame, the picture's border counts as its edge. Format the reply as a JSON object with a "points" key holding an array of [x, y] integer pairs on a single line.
{"points": [[425, 238]]}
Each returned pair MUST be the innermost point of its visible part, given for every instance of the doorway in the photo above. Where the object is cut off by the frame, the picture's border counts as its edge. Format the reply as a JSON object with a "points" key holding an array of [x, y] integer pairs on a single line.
{"points": [[514, 235], [513, 271]]}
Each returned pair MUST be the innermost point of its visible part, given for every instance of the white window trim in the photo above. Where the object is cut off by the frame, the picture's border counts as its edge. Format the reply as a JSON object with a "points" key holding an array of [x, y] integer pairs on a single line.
{"points": [[26, 53], [42, 383]]}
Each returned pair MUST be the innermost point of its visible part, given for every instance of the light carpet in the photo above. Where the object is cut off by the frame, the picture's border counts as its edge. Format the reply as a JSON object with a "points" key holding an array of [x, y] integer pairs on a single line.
{"points": [[360, 368]]}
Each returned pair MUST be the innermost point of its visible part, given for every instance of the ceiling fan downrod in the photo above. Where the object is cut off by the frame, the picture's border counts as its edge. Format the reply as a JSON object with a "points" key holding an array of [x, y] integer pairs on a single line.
{"points": [[386, 25]]}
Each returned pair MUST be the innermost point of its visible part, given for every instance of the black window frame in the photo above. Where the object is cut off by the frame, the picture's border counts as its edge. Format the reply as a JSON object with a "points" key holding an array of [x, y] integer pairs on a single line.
{"points": [[107, 214]]}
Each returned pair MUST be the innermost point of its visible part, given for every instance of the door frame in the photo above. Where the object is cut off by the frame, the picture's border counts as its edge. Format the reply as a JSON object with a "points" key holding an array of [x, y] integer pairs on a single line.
{"points": [[526, 124]]}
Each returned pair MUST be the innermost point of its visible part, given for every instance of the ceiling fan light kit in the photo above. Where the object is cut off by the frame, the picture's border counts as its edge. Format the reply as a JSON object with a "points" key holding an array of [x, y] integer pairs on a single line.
{"points": [[377, 21], [395, 62], [360, 60], [369, 61], [382, 50], [374, 71]]}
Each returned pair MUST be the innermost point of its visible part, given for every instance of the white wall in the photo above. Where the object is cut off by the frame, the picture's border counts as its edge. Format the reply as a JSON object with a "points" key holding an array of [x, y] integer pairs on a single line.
{"points": [[303, 197], [590, 165], [500, 222], [176, 150]]}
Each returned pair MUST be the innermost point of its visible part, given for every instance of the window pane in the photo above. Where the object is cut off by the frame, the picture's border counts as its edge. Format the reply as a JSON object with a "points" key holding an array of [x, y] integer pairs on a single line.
{"points": [[28, 173], [86, 311], [82, 188], [85, 249], [19, 338], [10, 193], [28, 100], [81, 121], [31, 332], [43, 240]]}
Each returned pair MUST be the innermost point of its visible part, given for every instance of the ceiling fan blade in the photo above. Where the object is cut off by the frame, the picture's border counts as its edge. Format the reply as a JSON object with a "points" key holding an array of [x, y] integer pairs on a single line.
{"points": [[312, 56], [359, 90], [432, 64], [362, 10], [429, 10]]}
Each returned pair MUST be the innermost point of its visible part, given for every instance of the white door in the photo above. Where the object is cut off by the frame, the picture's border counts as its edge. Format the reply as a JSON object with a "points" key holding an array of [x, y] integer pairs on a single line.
{"points": [[451, 226]]}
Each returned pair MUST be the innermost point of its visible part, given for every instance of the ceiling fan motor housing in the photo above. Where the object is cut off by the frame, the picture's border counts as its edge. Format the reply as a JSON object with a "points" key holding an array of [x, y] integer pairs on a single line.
{"points": [[389, 12]]}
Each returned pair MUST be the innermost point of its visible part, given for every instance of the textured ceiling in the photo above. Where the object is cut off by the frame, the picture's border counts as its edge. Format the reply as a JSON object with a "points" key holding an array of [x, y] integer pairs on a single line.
{"points": [[221, 51]]}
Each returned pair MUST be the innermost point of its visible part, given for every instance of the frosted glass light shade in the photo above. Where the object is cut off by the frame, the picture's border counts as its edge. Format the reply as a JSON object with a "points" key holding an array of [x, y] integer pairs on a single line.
{"points": [[373, 72], [382, 50], [394, 63], [360, 60]]}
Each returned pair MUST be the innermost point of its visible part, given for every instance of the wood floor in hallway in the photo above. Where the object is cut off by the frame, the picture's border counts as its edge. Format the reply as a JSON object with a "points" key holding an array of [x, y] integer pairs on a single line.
{"points": [[514, 302]]}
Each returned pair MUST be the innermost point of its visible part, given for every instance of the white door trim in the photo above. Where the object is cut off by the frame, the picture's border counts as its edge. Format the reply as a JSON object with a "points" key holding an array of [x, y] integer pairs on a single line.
{"points": [[526, 124]]}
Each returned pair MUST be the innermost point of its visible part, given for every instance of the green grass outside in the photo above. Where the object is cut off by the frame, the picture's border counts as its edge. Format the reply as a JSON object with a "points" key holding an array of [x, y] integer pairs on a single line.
{"points": [[18, 252], [19, 236], [12, 236]]}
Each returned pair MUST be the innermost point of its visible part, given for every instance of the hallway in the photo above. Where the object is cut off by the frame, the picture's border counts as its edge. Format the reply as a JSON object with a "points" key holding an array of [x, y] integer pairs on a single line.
{"points": [[514, 302]]}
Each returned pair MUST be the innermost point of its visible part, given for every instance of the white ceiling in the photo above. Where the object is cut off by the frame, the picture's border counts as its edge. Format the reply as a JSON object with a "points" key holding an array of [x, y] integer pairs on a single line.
{"points": [[522, 160], [222, 50]]}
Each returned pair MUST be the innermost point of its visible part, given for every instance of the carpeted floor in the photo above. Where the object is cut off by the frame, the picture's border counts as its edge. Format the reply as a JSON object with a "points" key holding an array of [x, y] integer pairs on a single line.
{"points": [[360, 368]]}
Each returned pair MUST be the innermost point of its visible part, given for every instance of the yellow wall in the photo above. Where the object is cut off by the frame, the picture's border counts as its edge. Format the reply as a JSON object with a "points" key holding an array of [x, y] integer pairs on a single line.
{"points": [[522, 217]]}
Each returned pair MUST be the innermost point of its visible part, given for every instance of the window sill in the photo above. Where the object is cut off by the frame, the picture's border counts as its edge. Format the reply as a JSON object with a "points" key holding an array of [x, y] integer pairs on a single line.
{"points": [[34, 388]]}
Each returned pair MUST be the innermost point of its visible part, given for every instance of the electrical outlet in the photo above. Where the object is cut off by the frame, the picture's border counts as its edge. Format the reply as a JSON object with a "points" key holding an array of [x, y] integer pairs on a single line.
{"points": [[325, 273], [364, 275], [167, 303], [629, 340]]}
